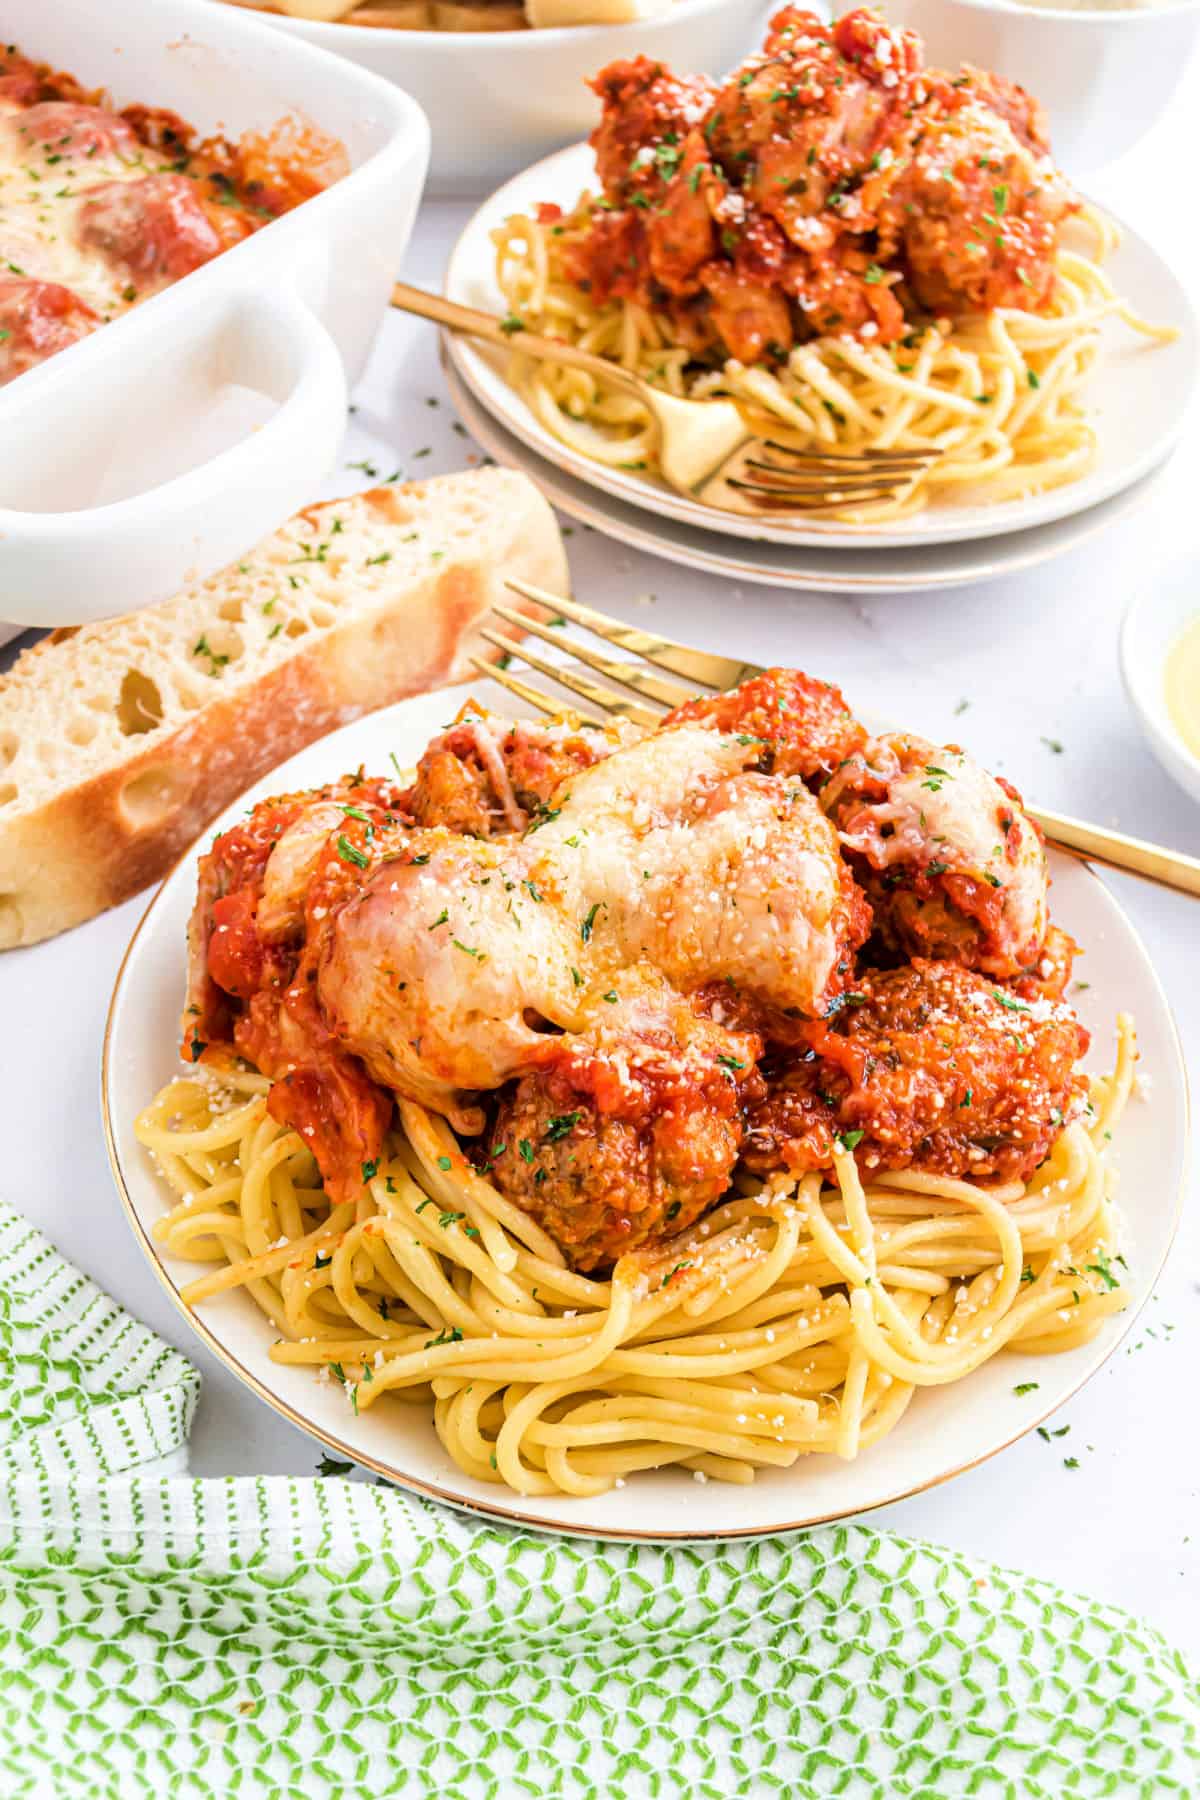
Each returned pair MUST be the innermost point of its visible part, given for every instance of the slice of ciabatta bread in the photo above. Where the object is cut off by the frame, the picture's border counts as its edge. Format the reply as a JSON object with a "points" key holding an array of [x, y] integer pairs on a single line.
{"points": [[120, 741]]}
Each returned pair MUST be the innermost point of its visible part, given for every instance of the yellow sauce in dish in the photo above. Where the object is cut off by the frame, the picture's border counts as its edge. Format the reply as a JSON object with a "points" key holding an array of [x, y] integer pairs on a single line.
{"points": [[1183, 685]]}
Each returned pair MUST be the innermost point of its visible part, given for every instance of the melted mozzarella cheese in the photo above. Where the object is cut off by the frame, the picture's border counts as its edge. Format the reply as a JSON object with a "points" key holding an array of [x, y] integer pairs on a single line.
{"points": [[669, 852], [40, 197]]}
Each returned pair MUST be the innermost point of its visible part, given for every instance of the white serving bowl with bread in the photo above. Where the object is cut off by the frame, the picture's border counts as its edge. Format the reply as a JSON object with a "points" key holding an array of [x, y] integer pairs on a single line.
{"points": [[502, 95], [158, 447], [1103, 73], [121, 741]]}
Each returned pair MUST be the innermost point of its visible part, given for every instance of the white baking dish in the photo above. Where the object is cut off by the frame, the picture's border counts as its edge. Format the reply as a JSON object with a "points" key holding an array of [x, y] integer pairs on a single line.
{"points": [[104, 506]]}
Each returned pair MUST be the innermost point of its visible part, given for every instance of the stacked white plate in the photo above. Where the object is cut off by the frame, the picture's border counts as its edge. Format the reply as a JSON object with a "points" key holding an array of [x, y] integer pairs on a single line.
{"points": [[1139, 399]]}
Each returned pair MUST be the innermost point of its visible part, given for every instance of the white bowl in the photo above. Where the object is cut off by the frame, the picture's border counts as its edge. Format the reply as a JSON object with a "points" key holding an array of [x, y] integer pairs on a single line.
{"points": [[1104, 77], [1156, 619], [500, 100]]}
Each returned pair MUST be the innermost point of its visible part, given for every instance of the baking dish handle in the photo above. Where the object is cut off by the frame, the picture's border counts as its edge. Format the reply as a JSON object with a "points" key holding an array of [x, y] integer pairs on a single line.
{"points": [[69, 567]]}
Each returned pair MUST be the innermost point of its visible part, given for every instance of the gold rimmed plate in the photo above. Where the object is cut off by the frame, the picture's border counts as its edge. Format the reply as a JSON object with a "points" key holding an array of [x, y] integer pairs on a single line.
{"points": [[944, 1432]]}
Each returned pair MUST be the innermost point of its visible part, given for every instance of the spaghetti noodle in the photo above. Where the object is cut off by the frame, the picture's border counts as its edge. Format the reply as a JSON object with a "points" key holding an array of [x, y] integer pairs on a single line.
{"points": [[998, 393], [797, 1317]]}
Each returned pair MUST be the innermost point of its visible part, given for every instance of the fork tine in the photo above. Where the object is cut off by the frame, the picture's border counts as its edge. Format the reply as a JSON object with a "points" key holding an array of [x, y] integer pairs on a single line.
{"points": [[700, 666], [875, 457], [809, 499], [627, 674], [590, 691], [530, 695], [833, 472]]}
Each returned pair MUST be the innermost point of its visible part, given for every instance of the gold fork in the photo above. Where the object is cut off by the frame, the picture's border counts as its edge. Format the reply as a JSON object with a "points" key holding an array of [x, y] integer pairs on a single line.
{"points": [[654, 694], [706, 451]]}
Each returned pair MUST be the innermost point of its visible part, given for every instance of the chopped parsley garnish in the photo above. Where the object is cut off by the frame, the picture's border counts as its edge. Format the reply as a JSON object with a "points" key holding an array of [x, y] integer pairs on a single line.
{"points": [[560, 1125], [730, 1062], [850, 1140], [350, 853], [440, 920], [370, 1169], [468, 951], [451, 1334], [525, 1150], [329, 1465], [1008, 1001], [669, 1278], [1102, 1268], [443, 1162], [510, 325], [1026, 1387], [585, 929]]}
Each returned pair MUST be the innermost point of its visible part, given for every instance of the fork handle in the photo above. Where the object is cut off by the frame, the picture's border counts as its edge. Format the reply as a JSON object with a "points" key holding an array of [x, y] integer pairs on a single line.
{"points": [[473, 323], [1133, 856]]}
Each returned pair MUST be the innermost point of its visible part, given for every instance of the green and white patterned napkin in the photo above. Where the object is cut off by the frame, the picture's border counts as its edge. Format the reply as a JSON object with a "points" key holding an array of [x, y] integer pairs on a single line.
{"points": [[324, 1638]]}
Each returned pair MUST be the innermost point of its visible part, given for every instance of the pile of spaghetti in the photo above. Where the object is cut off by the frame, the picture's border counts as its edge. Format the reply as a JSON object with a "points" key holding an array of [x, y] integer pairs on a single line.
{"points": [[797, 1316], [861, 252]]}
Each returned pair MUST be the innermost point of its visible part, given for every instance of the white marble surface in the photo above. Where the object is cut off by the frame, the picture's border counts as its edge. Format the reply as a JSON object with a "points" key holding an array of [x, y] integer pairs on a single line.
{"points": [[1036, 659]]}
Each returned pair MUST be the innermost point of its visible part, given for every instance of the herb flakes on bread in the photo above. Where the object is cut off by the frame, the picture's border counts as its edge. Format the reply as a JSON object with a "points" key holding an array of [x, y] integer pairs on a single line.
{"points": [[120, 741]]}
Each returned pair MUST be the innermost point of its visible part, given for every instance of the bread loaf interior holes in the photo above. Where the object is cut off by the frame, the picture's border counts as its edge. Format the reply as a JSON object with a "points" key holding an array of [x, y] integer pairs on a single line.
{"points": [[151, 796], [216, 648], [140, 706]]}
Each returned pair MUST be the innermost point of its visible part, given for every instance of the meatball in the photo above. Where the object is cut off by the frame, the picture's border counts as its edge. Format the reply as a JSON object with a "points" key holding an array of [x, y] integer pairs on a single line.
{"points": [[804, 725], [37, 320], [483, 779], [951, 863], [154, 229], [630, 1132], [930, 1067], [647, 114]]}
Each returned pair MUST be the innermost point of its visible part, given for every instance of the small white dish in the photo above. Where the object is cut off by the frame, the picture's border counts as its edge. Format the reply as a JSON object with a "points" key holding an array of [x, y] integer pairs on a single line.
{"points": [[946, 1429], [812, 568], [1153, 626], [1104, 74], [499, 99]]}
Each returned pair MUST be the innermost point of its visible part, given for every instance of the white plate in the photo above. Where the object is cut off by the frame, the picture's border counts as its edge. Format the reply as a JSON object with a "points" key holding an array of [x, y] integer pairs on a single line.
{"points": [[945, 1430], [1138, 395], [1157, 617], [807, 567]]}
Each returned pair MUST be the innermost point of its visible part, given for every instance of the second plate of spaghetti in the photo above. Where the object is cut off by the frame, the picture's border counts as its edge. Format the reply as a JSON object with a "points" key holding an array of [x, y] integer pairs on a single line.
{"points": [[655, 1135], [865, 254]]}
